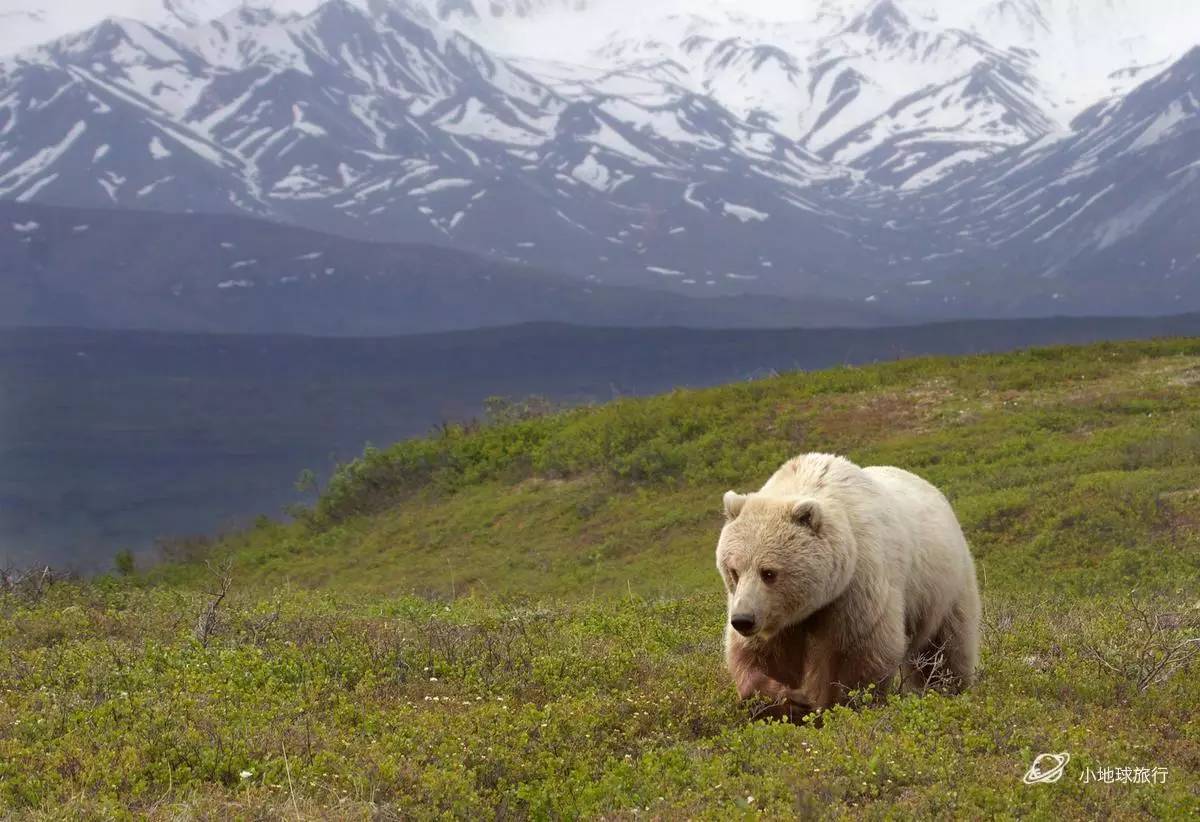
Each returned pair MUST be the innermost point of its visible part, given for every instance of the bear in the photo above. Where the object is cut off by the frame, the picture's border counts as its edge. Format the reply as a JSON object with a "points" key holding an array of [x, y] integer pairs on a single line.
{"points": [[840, 577]]}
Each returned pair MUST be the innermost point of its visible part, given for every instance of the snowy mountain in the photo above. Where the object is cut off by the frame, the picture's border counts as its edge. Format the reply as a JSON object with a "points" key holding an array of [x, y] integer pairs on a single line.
{"points": [[905, 154], [379, 126], [27, 23], [1107, 216]]}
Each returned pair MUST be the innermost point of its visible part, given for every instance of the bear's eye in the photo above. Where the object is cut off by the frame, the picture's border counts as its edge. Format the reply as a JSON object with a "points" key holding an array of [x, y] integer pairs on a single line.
{"points": [[733, 575], [768, 576]]}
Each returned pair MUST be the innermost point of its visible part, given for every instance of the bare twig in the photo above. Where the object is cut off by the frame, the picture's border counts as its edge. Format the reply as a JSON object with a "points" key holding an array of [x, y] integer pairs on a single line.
{"points": [[209, 618], [291, 789], [1157, 646], [32, 584], [927, 670]]}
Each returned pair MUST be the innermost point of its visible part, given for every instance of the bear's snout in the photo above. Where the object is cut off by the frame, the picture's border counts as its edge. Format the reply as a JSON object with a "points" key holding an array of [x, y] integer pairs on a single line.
{"points": [[744, 624]]}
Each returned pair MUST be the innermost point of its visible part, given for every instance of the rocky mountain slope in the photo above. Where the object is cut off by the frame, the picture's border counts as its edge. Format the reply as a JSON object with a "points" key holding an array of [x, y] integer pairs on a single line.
{"points": [[94, 268]]}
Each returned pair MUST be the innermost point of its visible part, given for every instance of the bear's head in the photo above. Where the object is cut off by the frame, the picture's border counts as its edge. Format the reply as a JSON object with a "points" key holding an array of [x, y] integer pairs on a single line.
{"points": [[782, 560]]}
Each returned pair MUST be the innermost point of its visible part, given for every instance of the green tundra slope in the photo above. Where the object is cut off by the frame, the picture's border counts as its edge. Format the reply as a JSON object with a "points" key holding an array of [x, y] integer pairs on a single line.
{"points": [[521, 620]]}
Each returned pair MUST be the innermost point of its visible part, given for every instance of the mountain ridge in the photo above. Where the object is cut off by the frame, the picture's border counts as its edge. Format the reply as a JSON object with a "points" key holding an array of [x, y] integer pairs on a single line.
{"points": [[657, 167], [229, 274]]}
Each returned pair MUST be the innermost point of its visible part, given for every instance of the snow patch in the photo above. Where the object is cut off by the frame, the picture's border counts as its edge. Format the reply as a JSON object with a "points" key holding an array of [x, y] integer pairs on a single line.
{"points": [[147, 189], [689, 197], [593, 173], [745, 213], [157, 150], [302, 125], [1071, 219], [1162, 126], [439, 185], [25, 173]]}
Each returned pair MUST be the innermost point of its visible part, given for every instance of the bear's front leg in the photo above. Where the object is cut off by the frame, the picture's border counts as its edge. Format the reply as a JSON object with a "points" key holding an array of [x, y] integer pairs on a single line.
{"points": [[845, 664], [751, 683], [786, 703], [877, 659], [784, 710]]}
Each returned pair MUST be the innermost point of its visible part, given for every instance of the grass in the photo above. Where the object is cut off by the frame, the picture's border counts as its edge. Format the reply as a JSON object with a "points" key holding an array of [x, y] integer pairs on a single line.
{"points": [[522, 621]]}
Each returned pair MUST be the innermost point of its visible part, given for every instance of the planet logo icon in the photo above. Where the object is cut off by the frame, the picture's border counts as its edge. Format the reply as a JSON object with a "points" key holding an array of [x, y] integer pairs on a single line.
{"points": [[1046, 769]]}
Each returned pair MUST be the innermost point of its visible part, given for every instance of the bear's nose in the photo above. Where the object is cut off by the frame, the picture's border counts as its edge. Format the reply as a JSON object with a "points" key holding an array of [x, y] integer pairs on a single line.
{"points": [[742, 623]]}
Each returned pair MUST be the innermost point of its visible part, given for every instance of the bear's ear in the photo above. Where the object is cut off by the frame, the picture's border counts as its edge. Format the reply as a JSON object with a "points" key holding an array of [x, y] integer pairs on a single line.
{"points": [[807, 512], [734, 502]]}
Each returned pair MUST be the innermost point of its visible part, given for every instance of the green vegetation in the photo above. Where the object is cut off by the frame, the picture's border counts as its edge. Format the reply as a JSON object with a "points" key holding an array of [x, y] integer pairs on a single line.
{"points": [[124, 562], [521, 620]]}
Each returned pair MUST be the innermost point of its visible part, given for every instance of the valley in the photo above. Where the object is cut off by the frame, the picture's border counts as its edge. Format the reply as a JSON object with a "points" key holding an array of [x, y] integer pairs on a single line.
{"points": [[116, 440]]}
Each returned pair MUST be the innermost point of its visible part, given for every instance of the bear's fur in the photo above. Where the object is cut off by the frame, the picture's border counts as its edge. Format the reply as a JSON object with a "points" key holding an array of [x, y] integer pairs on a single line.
{"points": [[848, 576]]}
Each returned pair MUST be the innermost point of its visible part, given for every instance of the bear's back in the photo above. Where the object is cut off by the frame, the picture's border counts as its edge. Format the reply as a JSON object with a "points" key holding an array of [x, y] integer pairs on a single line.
{"points": [[815, 475]]}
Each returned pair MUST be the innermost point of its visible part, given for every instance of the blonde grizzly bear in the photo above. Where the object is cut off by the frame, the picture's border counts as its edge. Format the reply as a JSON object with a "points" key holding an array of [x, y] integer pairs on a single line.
{"points": [[839, 577]]}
